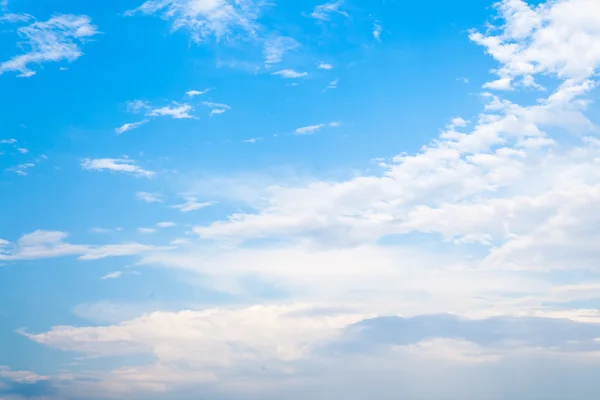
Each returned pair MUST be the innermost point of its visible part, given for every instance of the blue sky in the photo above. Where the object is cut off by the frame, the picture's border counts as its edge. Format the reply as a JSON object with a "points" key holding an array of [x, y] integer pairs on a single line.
{"points": [[240, 199]]}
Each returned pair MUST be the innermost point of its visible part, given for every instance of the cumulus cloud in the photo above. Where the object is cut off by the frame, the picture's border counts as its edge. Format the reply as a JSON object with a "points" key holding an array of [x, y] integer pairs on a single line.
{"points": [[122, 165], [54, 40], [325, 66], [203, 19]]}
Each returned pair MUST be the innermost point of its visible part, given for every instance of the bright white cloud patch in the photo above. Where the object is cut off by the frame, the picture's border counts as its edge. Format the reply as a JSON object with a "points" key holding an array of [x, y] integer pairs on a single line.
{"points": [[206, 18], [325, 66], [149, 197], [123, 165], [309, 130], [193, 93], [57, 39], [112, 275]]}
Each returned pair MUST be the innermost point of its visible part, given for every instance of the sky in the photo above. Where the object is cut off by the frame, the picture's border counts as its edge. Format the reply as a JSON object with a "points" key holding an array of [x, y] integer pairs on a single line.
{"points": [[247, 199]]}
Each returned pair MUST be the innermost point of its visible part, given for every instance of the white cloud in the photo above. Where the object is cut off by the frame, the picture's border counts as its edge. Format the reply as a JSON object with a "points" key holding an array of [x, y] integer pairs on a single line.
{"points": [[193, 93], [22, 150], [192, 204], [290, 74], [123, 165], [377, 29], [137, 106], [309, 130], [112, 275], [49, 244], [21, 169], [149, 197], [146, 230], [333, 84], [558, 37], [276, 47], [325, 66], [221, 19], [26, 377], [101, 230], [130, 126], [499, 84], [8, 141], [216, 108], [166, 224], [54, 40], [15, 18], [252, 140], [324, 11], [176, 111]]}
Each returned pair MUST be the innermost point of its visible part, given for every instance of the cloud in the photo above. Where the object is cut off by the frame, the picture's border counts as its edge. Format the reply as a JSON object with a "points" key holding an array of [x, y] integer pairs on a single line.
{"points": [[193, 93], [216, 108], [112, 275], [276, 47], [147, 230], [102, 230], [176, 111], [166, 224], [131, 126], [324, 12], [137, 106], [22, 150], [325, 66], [290, 74], [149, 197], [123, 165], [377, 29], [203, 19], [252, 140], [333, 84], [15, 18], [192, 204], [54, 40], [554, 38], [48, 244], [309, 130], [21, 169], [8, 141], [26, 377]]}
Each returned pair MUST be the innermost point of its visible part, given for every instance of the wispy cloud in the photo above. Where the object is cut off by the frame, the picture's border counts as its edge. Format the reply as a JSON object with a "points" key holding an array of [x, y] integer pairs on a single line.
{"points": [[193, 93], [123, 165], [130, 126], [333, 84], [309, 130], [216, 108], [290, 74], [192, 204], [167, 224], [252, 140], [325, 66], [149, 197], [323, 12], [146, 230], [203, 19], [54, 40], [276, 47], [112, 275], [176, 111], [21, 169], [377, 30], [8, 141], [15, 18]]}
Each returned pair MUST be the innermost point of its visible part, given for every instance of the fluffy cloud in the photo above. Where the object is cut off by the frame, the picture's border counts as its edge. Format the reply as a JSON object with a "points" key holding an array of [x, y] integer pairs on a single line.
{"points": [[123, 165], [175, 111], [206, 18], [54, 40]]}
